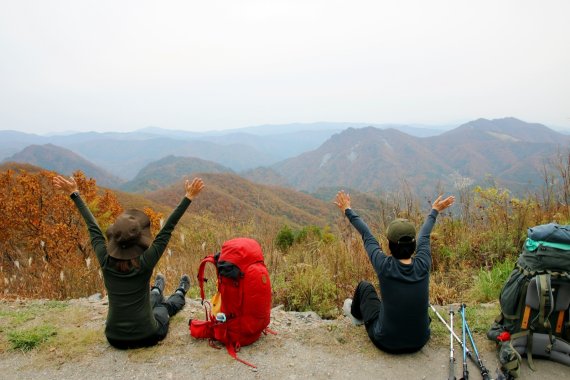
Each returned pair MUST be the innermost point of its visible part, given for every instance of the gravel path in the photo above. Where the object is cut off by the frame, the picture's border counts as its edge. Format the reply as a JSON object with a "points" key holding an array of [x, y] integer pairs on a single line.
{"points": [[305, 347]]}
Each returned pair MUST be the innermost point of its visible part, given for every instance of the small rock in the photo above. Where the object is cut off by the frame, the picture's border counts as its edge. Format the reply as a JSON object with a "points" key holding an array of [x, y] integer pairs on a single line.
{"points": [[278, 307], [95, 297]]}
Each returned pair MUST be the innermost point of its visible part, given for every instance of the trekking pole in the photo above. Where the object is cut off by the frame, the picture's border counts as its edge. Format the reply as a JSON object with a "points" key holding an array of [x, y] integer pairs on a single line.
{"points": [[484, 371], [465, 371], [454, 334], [451, 357]]}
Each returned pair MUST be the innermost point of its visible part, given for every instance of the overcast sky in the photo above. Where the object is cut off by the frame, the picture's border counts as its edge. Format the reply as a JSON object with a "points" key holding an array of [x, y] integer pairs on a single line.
{"points": [[202, 65]]}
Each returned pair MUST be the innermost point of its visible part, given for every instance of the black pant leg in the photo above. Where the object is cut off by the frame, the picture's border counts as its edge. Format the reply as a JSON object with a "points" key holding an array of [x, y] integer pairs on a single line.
{"points": [[365, 304]]}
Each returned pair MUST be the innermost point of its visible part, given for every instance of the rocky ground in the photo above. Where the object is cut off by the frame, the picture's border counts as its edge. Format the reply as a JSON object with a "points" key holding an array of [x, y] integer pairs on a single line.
{"points": [[305, 347]]}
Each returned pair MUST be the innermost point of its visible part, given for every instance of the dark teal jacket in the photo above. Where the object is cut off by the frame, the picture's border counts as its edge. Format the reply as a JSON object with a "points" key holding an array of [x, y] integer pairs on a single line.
{"points": [[130, 315], [403, 322]]}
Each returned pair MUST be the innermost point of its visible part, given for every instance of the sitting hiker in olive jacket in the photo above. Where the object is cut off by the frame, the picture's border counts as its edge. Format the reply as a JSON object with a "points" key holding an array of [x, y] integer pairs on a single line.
{"points": [[399, 321], [138, 316]]}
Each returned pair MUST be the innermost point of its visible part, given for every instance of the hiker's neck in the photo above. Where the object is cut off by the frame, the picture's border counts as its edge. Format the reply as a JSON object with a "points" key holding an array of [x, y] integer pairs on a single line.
{"points": [[406, 261]]}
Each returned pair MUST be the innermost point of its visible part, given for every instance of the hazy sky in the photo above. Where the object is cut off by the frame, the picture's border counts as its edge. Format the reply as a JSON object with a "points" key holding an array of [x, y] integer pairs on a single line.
{"points": [[202, 65]]}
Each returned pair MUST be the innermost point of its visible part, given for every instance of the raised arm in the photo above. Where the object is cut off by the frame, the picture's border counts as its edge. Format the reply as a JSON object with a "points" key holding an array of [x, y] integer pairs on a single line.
{"points": [[441, 204], [371, 245], [155, 251], [69, 186], [193, 188], [423, 251]]}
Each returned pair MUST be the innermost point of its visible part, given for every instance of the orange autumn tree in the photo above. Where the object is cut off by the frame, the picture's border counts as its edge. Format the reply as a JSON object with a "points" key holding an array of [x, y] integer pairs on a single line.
{"points": [[44, 245]]}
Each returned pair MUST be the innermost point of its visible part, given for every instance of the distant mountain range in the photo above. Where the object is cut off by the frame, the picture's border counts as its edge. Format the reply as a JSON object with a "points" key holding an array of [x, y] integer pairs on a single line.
{"points": [[124, 154], [509, 152]]}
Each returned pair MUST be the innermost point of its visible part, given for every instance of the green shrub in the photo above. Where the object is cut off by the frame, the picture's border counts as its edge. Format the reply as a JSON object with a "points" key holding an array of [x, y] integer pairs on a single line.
{"points": [[328, 237], [307, 232], [29, 339], [307, 288], [285, 238], [488, 283]]}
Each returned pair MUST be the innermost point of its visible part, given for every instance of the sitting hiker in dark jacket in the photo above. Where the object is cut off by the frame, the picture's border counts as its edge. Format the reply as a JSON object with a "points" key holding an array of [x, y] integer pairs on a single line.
{"points": [[138, 316], [399, 322]]}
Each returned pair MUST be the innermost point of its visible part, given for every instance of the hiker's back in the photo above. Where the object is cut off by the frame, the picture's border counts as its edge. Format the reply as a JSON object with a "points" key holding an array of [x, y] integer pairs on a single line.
{"points": [[404, 322], [130, 313]]}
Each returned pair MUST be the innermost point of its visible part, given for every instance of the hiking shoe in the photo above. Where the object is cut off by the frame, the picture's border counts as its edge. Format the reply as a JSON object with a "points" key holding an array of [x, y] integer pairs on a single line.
{"points": [[159, 283], [346, 307], [184, 284]]}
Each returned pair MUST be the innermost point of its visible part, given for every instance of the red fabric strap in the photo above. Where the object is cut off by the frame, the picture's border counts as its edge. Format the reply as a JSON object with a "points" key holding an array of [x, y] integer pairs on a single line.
{"points": [[207, 259], [232, 351]]}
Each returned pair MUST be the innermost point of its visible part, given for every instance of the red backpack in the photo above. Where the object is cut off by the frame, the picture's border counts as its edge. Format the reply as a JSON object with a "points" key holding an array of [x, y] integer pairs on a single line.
{"points": [[240, 311]]}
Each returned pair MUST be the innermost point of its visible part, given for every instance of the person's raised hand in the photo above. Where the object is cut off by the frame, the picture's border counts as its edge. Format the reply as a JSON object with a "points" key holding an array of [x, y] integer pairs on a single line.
{"points": [[342, 200], [441, 204], [193, 188], [66, 184]]}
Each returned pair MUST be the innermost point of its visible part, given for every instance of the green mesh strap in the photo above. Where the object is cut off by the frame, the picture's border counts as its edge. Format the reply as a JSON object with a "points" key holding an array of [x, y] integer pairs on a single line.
{"points": [[545, 300], [548, 348], [519, 334], [550, 305], [529, 351], [511, 365]]}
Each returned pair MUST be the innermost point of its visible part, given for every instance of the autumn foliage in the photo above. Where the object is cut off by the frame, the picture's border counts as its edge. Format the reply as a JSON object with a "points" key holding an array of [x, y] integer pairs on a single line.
{"points": [[45, 250], [44, 246]]}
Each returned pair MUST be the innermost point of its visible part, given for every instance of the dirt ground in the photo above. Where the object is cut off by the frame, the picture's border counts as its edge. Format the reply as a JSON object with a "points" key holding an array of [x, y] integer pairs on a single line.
{"points": [[305, 347]]}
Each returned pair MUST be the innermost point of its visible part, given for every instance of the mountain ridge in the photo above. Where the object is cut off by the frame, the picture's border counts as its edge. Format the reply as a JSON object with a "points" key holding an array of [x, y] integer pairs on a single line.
{"points": [[509, 150], [55, 158], [169, 170]]}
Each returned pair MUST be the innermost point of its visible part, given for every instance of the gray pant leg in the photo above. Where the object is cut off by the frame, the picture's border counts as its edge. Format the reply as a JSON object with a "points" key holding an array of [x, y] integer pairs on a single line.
{"points": [[164, 310]]}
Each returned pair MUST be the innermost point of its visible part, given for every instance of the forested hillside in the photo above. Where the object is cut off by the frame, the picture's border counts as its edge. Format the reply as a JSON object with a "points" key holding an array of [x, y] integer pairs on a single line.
{"points": [[170, 169], [313, 255], [64, 161], [507, 152]]}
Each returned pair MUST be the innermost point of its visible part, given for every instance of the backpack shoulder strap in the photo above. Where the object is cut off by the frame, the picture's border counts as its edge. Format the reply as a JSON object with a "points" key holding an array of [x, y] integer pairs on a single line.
{"points": [[546, 300], [201, 279]]}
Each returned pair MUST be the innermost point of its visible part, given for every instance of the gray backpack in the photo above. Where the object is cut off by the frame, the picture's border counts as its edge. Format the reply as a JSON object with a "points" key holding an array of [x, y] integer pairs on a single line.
{"points": [[535, 301]]}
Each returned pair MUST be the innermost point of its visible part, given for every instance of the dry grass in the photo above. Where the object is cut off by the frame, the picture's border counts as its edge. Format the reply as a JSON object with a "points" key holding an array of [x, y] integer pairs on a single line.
{"points": [[479, 318], [316, 272]]}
